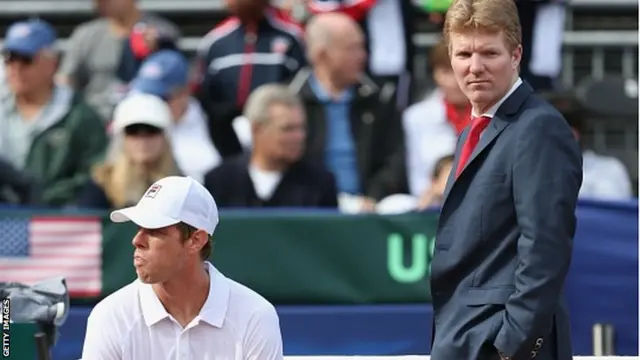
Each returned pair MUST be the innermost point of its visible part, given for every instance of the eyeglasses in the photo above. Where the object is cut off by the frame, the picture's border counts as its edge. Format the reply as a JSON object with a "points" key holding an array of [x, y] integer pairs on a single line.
{"points": [[10, 57], [141, 130]]}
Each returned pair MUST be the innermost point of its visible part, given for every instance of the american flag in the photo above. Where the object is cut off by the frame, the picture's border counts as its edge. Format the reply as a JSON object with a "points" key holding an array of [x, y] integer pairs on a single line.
{"points": [[38, 248]]}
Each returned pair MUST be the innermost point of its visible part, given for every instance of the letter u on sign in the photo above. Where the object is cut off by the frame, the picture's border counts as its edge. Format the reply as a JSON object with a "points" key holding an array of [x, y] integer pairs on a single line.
{"points": [[417, 268]]}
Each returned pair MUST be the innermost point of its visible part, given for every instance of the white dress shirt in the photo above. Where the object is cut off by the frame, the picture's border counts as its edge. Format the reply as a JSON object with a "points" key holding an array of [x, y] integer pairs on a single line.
{"points": [[604, 178], [428, 137], [235, 323]]}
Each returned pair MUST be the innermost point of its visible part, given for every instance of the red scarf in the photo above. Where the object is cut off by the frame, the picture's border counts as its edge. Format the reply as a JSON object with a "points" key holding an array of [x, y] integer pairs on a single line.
{"points": [[459, 119]]}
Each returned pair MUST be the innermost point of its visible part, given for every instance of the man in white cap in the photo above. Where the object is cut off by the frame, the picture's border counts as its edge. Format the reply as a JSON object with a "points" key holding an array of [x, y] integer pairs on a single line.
{"points": [[180, 307]]}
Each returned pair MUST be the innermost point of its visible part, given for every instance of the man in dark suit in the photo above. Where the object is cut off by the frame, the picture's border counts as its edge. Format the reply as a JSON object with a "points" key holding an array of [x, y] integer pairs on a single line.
{"points": [[504, 236]]}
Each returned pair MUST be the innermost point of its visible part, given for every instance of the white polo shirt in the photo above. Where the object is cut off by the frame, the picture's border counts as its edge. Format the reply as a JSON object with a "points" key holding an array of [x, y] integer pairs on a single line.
{"points": [[235, 323]]}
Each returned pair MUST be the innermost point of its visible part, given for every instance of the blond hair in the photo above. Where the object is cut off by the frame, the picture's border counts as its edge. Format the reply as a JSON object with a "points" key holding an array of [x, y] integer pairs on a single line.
{"points": [[492, 16], [122, 182]]}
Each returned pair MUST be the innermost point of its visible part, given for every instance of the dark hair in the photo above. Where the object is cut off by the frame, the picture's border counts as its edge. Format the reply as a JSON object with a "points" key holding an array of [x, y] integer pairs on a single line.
{"points": [[187, 230], [440, 165]]}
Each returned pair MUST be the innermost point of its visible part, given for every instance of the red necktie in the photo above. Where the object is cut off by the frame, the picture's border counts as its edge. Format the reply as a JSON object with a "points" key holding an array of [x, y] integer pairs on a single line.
{"points": [[478, 124]]}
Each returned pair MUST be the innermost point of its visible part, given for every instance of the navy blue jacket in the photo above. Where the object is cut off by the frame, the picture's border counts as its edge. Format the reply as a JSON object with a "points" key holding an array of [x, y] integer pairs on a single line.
{"points": [[235, 58], [504, 238]]}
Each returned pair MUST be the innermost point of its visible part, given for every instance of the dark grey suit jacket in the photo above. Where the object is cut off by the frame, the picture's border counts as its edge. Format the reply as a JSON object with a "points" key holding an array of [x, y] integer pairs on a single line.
{"points": [[504, 239]]}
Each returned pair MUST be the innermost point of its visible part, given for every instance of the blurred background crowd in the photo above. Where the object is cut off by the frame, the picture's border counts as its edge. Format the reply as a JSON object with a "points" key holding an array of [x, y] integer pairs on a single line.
{"points": [[270, 105]]}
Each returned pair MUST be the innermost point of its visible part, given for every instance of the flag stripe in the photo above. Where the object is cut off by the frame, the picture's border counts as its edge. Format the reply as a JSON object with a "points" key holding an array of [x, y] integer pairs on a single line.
{"points": [[53, 262], [46, 247]]}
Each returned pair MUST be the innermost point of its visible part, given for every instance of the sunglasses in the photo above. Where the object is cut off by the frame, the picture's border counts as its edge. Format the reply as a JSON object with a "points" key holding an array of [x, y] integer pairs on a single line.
{"points": [[10, 57], [141, 130]]}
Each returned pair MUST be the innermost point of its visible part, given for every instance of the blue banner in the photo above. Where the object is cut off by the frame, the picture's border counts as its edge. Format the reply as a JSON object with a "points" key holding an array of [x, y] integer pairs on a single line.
{"points": [[603, 281]]}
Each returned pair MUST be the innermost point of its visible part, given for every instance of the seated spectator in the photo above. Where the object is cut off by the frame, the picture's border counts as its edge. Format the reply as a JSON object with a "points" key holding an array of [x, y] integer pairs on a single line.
{"points": [[18, 187], [388, 27], [46, 130], [255, 46], [434, 195], [604, 177], [138, 156], [103, 54], [353, 127], [274, 174], [432, 126], [166, 74]]}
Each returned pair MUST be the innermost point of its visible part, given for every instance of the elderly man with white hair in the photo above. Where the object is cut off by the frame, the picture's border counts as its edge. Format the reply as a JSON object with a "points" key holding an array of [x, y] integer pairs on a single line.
{"points": [[353, 125], [274, 174]]}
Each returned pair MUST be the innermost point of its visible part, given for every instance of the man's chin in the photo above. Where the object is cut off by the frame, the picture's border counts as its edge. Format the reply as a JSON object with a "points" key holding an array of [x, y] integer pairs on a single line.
{"points": [[481, 97], [146, 278]]}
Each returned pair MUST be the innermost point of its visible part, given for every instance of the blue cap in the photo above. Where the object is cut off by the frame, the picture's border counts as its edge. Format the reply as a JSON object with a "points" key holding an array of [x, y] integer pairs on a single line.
{"points": [[29, 37], [162, 73]]}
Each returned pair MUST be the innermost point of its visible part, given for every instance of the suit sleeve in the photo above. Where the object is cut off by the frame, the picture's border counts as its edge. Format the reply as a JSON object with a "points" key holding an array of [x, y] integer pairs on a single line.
{"points": [[547, 175]]}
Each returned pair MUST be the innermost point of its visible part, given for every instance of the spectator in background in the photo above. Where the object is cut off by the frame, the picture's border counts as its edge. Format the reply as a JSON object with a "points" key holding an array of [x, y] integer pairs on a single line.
{"points": [[604, 177], [388, 27], [274, 174], [46, 130], [138, 156], [432, 126], [434, 195], [166, 74], [18, 187], [353, 127], [103, 54], [543, 23], [255, 46]]}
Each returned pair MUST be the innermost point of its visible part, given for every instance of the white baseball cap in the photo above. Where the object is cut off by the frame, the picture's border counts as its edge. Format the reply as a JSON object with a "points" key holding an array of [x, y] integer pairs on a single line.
{"points": [[139, 108], [172, 200]]}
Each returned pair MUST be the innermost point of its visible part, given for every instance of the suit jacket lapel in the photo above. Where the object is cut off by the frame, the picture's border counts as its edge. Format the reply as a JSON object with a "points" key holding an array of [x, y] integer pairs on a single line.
{"points": [[499, 122], [452, 175]]}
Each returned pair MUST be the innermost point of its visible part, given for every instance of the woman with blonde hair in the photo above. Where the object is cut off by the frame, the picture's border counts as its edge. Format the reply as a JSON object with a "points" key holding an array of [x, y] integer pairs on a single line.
{"points": [[138, 156]]}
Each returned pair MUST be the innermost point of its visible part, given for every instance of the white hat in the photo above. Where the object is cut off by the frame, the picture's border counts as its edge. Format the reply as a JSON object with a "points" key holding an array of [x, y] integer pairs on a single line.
{"points": [[172, 200], [139, 108]]}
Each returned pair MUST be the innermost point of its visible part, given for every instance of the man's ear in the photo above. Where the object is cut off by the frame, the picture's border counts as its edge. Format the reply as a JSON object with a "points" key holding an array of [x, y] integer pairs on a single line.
{"points": [[516, 57], [198, 240]]}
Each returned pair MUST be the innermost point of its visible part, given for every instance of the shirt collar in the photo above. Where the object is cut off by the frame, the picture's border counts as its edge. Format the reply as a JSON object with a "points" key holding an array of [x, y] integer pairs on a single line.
{"points": [[213, 311], [323, 95], [492, 110]]}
